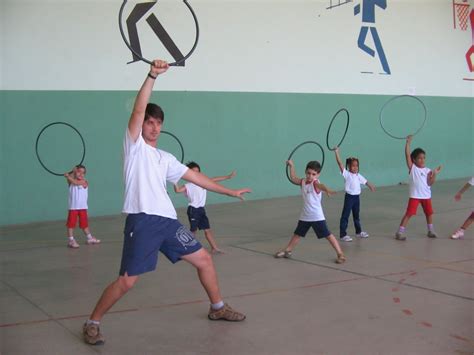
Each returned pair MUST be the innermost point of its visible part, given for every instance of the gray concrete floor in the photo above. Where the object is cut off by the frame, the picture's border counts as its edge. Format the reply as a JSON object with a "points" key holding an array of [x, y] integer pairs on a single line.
{"points": [[390, 297]]}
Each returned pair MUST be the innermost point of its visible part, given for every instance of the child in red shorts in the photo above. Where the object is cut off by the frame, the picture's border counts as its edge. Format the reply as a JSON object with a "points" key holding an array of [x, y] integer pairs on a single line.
{"points": [[78, 193], [421, 180]]}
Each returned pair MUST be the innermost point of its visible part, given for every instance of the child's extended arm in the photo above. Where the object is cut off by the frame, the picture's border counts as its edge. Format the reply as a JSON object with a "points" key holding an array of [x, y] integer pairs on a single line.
{"points": [[71, 180], [178, 189], [338, 159], [225, 177], [324, 188], [295, 179], [370, 186], [407, 152], [207, 183], [432, 175], [466, 187]]}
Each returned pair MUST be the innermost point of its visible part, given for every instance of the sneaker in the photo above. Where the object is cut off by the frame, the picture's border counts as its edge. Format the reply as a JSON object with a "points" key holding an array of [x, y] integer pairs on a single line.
{"points": [[459, 234], [92, 335], [362, 235], [400, 236], [72, 244], [346, 238], [93, 240], [225, 313], [431, 234], [283, 254], [341, 259]]}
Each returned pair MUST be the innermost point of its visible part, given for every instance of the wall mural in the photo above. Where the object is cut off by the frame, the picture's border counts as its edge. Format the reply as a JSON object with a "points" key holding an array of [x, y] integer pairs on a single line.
{"points": [[463, 18], [366, 9]]}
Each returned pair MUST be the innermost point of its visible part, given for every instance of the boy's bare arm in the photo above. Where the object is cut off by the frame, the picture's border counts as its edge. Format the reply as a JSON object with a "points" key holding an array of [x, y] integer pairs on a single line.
{"points": [[178, 189], [432, 175], [71, 180], [138, 114], [295, 179], [407, 152], [207, 183], [324, 188], [225, 177]]}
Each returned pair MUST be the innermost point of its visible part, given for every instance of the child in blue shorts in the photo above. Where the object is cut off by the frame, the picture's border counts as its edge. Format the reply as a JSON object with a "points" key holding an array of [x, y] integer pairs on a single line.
{"points": [[197, 200], [312, 215]]}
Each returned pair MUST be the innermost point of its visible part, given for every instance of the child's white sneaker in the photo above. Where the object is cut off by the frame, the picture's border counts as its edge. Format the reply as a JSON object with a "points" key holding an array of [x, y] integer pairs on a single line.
{"points": [[346, 238], [93, 240], [72, 244], [362, 235], [459, 234]]}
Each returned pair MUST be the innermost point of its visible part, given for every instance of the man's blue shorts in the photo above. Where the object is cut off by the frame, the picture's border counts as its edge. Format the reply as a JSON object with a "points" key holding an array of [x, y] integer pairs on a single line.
{"points": [[145, 235], [319, 227], [197, 218]]}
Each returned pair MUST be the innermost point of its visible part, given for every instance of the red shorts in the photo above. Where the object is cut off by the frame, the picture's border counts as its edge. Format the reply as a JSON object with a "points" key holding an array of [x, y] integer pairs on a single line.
{"points": [[413, 206], [72, 219]]}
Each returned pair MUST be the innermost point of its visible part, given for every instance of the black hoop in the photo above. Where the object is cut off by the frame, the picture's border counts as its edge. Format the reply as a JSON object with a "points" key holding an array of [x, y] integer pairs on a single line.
{"points": [[37, 141], [179, 142], [293, 152], [330, 125], [149, 61], [397, 97]]}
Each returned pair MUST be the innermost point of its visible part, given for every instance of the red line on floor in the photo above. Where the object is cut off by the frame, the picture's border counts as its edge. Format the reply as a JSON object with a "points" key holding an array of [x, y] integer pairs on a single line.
{"points": [[459, 337], [407, 312], [396, 299], [426, 324]]}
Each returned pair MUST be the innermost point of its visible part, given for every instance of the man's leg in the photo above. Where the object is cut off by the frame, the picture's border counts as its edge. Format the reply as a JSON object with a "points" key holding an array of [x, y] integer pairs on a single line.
{"points": [[202, 261], [91, 331], [115, 291]]}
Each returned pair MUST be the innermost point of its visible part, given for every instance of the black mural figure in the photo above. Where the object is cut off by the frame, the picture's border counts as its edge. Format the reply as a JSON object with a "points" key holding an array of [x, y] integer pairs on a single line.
{"points": [[135, 15]]}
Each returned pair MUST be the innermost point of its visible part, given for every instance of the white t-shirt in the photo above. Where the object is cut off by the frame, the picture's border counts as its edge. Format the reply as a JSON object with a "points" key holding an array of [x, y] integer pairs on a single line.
{"points": [[196, 195], [312, 209], [146, 170], [471, 182], [353, 182], [77, 197], [419, 187]]}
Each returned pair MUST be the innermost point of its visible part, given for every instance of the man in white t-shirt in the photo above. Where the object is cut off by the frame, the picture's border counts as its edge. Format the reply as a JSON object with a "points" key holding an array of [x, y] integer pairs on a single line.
{"points": [[459, 234], [421, 180], [151, 225]]}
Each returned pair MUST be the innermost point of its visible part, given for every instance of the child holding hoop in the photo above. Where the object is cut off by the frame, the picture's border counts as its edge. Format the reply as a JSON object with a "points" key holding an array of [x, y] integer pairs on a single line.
{"points": [[78, 193], [312, 215], [459, 234], [353, 180], [421, 180], [196, 196]]}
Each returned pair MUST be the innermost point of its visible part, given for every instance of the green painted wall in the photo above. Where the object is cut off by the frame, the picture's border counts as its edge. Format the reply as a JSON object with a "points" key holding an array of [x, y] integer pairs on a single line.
{"points": [[250, 132]]}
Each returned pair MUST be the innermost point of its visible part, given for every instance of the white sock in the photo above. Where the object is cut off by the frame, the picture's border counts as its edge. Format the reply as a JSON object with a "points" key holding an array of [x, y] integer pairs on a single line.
{"points": [[71, 238], [89, 321], [89, 236], [218, 305]]}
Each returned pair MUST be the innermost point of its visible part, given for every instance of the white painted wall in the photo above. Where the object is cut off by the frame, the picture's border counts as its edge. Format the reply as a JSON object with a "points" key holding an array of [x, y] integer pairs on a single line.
{"points": [[264, 46]]}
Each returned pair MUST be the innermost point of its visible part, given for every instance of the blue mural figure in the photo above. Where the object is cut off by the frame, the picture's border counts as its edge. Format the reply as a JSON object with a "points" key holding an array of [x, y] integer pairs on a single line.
{"points": [[368, 16]]}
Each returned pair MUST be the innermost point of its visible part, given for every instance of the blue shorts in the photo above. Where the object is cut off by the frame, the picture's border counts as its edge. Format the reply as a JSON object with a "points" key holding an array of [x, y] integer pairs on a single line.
{"points": [[145, 235], [197, 218], [319, 227]]}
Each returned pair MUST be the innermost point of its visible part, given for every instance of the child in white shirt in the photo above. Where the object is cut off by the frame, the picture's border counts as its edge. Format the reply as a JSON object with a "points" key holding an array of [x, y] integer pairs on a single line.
{"points": [[353, 180], [197, 200], [421, 180]]}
